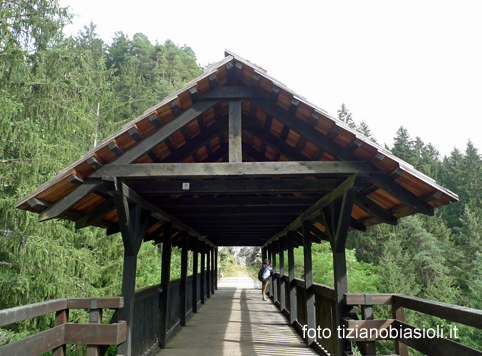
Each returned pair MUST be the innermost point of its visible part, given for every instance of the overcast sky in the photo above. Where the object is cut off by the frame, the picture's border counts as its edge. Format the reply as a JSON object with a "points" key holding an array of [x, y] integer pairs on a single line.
{"points": [[416, 64]]}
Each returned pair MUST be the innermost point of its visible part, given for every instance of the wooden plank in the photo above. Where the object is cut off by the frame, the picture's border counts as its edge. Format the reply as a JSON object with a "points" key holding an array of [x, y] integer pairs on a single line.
{"points": [[68, 201], [102, 302], [147, 292], [14, 315], [96, 214], [463, 315], [235, 139], [37, 344], [236, 186], [232, 93], [376, 299], [373, 330], [230, 202], [430, 346], [233, 169], [270, 139], [95, 334], [208, 271], [197, 142], [324, 291]]}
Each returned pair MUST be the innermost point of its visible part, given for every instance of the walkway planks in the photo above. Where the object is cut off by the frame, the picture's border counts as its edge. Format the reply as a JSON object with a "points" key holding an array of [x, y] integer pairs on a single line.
{"points": [[236, 321]]}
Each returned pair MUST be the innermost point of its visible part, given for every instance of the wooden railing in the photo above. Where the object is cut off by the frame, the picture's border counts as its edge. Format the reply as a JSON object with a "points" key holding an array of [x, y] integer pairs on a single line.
{"points": [[95, 334], [146, 309], [324, 310], [324, 319], [433, 342]]}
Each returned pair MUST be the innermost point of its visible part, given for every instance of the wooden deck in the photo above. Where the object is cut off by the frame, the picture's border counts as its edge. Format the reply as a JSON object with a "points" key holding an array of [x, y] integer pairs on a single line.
{"points": [[236, 321]]}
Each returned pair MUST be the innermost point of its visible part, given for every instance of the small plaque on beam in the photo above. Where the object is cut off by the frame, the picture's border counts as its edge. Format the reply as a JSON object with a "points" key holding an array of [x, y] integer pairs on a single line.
{"points": [[185, 186]]}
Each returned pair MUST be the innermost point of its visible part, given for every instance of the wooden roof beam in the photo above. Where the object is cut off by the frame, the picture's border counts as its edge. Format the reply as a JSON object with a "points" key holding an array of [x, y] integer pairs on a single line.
{"points": [[236, 186], [141, 148], [270, 139], [197, 142], [354, 182], [235, 169], [397, 191]]}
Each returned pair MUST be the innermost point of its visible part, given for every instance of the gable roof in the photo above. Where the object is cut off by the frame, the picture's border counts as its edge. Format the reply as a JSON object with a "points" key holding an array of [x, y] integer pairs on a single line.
{"points": [[249, 203]]}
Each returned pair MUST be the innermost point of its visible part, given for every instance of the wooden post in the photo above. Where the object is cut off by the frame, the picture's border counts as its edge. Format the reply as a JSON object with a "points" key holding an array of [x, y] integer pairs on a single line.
{"points": [[310, 294], [61, 317], [183, 289], [341, 287], [274, 280], [270, 257], [282, 290], [367, 348], [202, 251], [208, 271], [235, 138], [292, 283], [165, 278], [195, 267], [95, 317], [398, 313], [216, 274], [213, 270], [264, 255], [133, 231]]}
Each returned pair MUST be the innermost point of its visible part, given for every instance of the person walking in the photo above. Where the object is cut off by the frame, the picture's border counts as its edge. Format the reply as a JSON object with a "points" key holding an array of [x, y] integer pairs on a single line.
{"points": [[266, 277]]}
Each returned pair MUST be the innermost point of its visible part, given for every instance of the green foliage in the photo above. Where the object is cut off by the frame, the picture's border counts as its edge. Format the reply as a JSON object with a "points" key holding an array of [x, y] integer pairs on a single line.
{"points": [[59, 97]]}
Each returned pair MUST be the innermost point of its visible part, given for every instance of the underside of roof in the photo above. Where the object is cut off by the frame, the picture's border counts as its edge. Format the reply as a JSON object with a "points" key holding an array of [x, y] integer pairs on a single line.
{"points": [[236, 158]]}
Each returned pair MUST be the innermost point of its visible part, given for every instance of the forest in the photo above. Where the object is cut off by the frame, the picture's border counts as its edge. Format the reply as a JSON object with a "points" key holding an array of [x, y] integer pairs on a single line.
{"points": [[60, 96]]}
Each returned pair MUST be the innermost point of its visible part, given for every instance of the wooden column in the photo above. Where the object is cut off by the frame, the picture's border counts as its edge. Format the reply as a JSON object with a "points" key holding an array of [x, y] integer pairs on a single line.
{"points": [[282, 295], [292, 286], [133, 231], [195, 267], [264, 254], [202, 251], [337, 219], [270, 257], [165, 278], [216, 268], [208, 271], [213, 270], [310, 294], [183, 289], [235, 141], [274, 281]]}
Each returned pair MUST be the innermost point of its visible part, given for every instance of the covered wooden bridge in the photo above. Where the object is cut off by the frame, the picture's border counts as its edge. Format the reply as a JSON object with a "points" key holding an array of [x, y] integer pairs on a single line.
{"points": [[236, 159]]}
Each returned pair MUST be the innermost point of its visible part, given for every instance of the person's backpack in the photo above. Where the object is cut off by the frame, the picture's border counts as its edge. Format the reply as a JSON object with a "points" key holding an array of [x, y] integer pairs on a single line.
{"points": [[260, 274]]}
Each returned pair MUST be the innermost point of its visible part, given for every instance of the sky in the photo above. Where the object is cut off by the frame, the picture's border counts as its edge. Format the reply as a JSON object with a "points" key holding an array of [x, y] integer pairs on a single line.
{"points": [[416, 64]]}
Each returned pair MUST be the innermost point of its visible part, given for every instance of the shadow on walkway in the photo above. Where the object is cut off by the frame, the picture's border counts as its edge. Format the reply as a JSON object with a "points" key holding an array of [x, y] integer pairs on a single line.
{"points": [[236, 321]]}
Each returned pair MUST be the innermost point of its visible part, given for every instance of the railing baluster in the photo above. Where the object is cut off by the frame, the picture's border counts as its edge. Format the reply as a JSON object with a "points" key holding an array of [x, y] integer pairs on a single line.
{"points": [[398, 313], [61, 317], [95, 317]]}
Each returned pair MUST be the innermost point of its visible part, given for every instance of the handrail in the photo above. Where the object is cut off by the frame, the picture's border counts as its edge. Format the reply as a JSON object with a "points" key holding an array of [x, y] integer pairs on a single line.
{"points": [[95, 334], [24, 312], [440, 346]]}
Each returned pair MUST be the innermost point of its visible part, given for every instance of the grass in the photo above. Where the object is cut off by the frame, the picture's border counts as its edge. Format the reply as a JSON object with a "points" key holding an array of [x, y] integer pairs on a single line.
{"points": [[229, 268]]}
